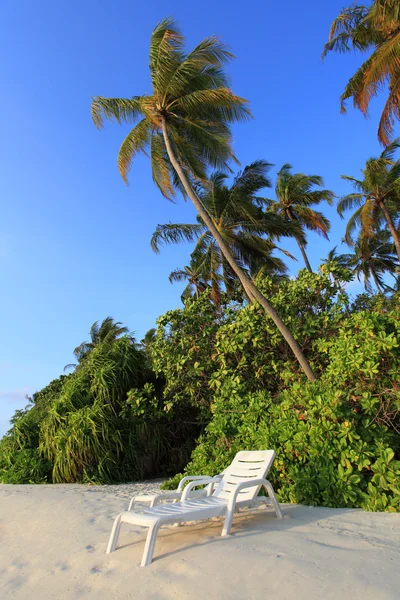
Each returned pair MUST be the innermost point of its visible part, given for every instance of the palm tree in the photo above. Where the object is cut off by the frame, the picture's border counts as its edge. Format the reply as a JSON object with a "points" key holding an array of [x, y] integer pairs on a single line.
{"points": [[375, 28], [196, 274], [108, 331], [371, 259], [236, 212], [185, 127], [148, 340], [377, 196], [337, 266], [294, 198]]}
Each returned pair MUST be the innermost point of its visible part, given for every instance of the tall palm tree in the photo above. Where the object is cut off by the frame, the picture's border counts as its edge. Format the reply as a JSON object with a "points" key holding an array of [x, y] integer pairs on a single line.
{"points": [[372, 258], [237, 213], [185, 127], [337, 266], [108, 331], [375, 28], [196, 275], [295, 195], [148, 340], [377, 196]]}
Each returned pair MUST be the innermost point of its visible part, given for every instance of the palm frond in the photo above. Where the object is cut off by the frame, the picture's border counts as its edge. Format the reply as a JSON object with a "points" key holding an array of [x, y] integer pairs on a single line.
{"points": [[136, 141], [174, 233], [122, 110]]}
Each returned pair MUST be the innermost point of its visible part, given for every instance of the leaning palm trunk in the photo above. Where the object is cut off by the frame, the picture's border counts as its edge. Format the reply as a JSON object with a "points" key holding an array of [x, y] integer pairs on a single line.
{"points": [[391, 228], [301, 246], [249, 287], [305, 257], [377, 284]]}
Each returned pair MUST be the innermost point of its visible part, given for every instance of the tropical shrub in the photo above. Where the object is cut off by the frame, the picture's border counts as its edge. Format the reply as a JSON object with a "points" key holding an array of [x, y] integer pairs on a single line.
{"points": [[104, 422], [183, 351], [337, 439], [22, 466], [20, 460]]}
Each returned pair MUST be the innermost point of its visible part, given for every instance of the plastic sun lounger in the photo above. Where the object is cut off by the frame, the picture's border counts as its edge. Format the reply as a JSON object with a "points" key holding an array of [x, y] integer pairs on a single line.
{"points": [[238, 488]]}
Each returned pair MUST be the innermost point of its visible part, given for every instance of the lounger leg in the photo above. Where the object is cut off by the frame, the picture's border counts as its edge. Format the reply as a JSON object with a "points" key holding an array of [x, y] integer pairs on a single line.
{"points": [[150, 543], [275, 503], [227, 523], [131, 503], [113, 541]]}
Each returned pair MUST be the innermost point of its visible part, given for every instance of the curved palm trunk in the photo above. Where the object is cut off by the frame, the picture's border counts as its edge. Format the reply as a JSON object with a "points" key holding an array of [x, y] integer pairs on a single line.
{"points": [[249, 287], [300, 245], [391, 228], [305, 257], [374, 277]]}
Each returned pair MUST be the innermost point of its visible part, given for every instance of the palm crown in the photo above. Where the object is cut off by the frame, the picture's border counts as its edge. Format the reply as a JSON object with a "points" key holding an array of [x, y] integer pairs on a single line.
{"points": [[237, 214], [376, 197], [190, 93], [295, 195], [106, 332], [376, 27], [197, 275], [371, 259]]}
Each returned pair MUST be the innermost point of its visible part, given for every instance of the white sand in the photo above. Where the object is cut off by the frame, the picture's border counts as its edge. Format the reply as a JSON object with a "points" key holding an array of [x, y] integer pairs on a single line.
{"points": [[53, 540]]}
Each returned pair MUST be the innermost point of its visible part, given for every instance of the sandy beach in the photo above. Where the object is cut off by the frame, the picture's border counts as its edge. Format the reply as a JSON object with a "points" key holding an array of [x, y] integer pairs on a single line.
{"points": [[53, 541]]}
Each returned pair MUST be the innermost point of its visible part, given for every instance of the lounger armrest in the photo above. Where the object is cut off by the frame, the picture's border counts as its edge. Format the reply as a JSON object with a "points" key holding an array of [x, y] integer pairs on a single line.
{"points": [[189, 478], [243, 485], [194, 478], [204, 481]]}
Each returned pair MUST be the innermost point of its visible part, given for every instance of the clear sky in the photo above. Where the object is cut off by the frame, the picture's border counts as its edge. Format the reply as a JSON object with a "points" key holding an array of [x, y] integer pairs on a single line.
{"points": [[74, 240]]}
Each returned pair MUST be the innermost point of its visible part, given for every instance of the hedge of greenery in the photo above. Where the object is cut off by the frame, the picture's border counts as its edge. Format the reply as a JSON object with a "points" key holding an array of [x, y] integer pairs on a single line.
{"points": [[103, 423], [217, 379], [337, 440]]}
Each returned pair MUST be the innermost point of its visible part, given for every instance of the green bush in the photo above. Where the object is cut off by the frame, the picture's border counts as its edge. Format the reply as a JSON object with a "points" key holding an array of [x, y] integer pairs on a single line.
{"points": [[105, 422], [22, 466], [337, 440]]}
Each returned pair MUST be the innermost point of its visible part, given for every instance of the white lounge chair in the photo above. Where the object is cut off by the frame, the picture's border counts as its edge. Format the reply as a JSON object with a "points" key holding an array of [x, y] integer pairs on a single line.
{"points": [[238, 488]]}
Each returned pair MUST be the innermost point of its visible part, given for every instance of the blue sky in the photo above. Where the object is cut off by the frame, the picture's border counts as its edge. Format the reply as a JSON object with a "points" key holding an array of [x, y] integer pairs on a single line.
{"points": [[74, 240]]}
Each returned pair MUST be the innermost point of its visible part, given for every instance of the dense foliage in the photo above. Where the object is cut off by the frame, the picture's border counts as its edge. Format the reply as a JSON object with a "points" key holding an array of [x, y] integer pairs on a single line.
{"points": [[104, 422], [337, 439]]}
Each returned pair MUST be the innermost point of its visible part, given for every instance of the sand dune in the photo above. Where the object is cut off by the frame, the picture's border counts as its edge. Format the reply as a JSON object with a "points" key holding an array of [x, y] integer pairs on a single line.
{"points": [[53, 540]]}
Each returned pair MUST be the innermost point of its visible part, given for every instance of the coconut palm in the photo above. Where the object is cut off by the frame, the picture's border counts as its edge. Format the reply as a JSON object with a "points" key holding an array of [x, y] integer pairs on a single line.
{"points": [[372, 258], [377, 196], [197, 274], [184, 125], [148, 340], [375, 28], [295, 195], [337, 266], [236, 212], [107, 331]]}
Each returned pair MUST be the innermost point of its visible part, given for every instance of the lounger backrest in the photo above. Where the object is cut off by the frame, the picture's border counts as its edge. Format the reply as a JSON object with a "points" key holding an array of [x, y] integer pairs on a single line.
{"points": [[244, 467]]}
